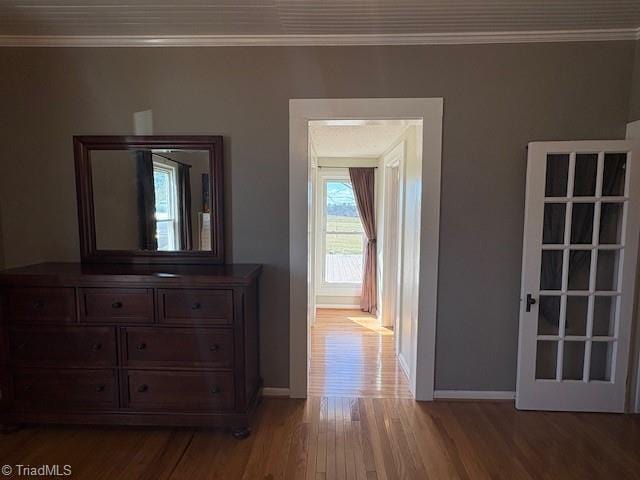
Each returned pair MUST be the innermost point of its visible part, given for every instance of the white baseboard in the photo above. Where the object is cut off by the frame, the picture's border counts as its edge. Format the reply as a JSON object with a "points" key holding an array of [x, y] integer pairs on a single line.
{"points": [[338, 306], [275, 392], [473, 395], [403, 365]]}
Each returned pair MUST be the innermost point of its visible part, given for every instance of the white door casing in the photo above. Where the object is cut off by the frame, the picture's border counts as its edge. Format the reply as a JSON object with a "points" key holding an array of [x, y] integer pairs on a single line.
{"points": [[301, 111], [392, 241], [579, 267]]}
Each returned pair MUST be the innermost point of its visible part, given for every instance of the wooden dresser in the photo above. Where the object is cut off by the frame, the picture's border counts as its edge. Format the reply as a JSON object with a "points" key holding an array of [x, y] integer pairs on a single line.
{"points": [[126, 344]]}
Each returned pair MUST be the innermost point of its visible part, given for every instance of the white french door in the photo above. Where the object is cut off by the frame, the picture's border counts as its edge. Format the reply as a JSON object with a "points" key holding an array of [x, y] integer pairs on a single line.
{"points": [[578, 274]]}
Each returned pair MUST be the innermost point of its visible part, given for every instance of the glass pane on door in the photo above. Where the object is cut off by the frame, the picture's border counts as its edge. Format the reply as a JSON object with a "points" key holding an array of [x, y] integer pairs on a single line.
{"points": [[557, 175], [554, 220], [611, 223], [573, 360], [546, 358], [551, 270], [601, 361], [614, 174], [608, 269], [582, 224], [585, 178], [576, 320], [604, 316], [548, 315]]}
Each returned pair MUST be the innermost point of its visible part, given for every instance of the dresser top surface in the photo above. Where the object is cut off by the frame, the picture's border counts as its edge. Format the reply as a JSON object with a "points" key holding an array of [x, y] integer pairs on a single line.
{"points": [[213, 274]]}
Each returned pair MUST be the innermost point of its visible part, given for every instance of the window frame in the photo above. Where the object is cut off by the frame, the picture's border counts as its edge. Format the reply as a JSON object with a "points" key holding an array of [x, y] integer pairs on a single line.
{"points": [[172, 170], [325, 175]]}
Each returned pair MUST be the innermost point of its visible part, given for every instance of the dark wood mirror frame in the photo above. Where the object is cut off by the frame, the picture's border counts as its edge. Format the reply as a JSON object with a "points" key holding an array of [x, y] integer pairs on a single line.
{"points": [[83, 145]]}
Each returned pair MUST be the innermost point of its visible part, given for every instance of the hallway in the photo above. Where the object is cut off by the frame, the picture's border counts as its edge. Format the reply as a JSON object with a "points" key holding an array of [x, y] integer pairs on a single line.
{"points": [[352, 356]]}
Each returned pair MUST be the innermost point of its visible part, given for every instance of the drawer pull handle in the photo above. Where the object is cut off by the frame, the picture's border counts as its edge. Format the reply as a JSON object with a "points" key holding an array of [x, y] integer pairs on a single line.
{"points": [[96, 346], [142, 346], [116, 305], [38, 304], [143, 388], [216, 391], [214, 348], [100, 388], [196, 306], [27, 387], [21, 346]]}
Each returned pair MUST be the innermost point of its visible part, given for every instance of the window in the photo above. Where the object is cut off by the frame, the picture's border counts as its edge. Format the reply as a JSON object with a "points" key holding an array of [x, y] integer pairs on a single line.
{"points": [[343, 237], [166, 192]]}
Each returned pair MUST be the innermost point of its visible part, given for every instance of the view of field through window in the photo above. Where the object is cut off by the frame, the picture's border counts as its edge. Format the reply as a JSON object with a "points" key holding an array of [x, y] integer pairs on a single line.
{"points": [[344, 237]]}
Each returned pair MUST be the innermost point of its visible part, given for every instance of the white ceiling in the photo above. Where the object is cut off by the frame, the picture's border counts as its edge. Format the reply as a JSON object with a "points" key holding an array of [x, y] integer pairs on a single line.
{"points": [[355, 141], [304, 17]]}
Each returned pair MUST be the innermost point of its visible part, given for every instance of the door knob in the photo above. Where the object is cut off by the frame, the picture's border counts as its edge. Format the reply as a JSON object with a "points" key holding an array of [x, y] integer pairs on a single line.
{"points": [[530, 301]]}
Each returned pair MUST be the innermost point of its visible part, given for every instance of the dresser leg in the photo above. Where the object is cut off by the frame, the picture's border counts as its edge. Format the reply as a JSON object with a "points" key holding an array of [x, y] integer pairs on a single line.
{"points": [[241, 432]]}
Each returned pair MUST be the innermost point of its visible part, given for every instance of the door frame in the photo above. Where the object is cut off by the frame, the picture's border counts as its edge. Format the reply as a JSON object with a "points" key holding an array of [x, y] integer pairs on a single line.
{"points": [[392, 228], [301, 111]]}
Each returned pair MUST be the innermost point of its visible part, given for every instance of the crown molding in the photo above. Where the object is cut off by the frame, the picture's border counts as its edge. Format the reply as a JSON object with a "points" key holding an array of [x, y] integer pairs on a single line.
{"points": [[317, 40]]}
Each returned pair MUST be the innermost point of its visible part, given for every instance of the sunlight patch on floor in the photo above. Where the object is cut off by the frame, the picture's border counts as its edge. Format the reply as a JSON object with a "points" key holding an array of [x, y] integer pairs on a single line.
{"points": [[371, 323]]}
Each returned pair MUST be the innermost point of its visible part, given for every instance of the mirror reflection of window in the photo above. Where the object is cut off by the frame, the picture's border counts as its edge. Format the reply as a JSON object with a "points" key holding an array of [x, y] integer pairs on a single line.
{"points": [[151, 200], [166, 205]]}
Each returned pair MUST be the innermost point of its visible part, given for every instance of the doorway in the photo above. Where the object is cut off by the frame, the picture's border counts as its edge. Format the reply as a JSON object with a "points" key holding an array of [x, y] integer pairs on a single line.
{"points": [[354, 267], [425, 216]]}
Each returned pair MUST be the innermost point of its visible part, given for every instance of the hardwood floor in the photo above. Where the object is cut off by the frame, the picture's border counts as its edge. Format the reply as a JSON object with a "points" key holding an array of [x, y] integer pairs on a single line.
{"points": [[350, 438], [360, 437], [352, 356]]}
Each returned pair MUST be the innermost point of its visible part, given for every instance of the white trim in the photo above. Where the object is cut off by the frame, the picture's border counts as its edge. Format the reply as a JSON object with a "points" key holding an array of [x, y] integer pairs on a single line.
{"points": [[633, 133], [275, 392], [403, 363], [633, 130], [530, 36], [301, 111], [474, 395]]}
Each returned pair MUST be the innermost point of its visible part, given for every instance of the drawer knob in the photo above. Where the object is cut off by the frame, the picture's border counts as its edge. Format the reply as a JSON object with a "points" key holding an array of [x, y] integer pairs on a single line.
{"points": [[96, 346], [196, 306], [216, 391], [142, 346], [38, 304], [21, 346], [143, 388], [100, 388], [214, 347], [27, 387], [116, 305]]}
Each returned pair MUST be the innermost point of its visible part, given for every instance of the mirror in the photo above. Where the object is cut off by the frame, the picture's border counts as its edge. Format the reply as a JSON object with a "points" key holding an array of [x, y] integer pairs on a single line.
{"points": [[150, 198]]}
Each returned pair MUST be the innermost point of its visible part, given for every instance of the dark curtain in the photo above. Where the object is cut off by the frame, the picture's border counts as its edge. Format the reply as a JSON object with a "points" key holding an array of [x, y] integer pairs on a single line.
{"points": [[363, 181], [581, 230], [146, 201], [184, 206]]}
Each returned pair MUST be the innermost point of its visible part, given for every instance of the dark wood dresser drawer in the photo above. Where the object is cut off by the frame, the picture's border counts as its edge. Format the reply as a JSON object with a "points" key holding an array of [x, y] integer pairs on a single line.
{"points": [[117, 305], [149, 390], [188, 347], [64, 346], [196, 306], [60, 389], [35, 304]]}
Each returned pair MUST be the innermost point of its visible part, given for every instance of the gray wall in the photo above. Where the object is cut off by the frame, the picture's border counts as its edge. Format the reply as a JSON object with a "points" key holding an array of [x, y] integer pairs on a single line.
{"points": [[634, 109], [497, 98]]}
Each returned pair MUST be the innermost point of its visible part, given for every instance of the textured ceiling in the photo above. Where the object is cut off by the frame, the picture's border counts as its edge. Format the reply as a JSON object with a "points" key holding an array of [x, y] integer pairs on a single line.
{"points": [[295, 17], [354, 141]]}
